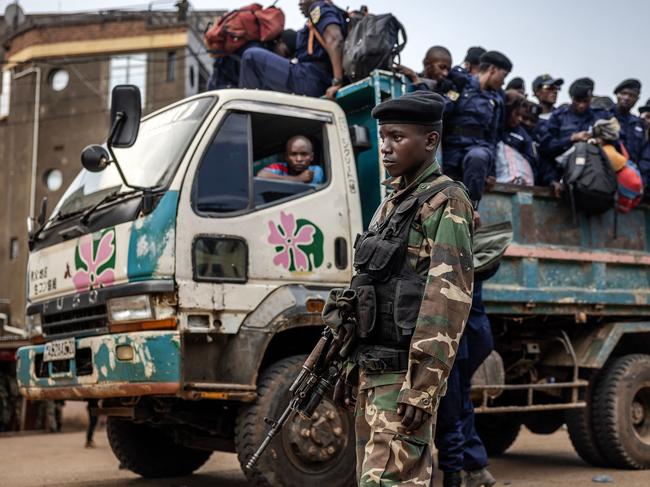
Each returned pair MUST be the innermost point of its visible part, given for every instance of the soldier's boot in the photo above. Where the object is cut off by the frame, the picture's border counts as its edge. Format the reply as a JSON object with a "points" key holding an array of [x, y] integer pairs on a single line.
{"points": [[452, 479], [479, 478]]}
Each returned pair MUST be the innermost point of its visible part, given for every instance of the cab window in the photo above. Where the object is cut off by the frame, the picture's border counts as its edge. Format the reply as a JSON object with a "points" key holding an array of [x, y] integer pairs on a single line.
{"points": [[257, 160]]}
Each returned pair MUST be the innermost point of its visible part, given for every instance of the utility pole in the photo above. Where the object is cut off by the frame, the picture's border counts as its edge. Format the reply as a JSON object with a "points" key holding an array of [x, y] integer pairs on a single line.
{"points": [[37, 114]]}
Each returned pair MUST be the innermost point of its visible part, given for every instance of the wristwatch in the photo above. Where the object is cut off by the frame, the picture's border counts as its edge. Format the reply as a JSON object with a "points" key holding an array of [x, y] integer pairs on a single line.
{"points": [[337, 82]]}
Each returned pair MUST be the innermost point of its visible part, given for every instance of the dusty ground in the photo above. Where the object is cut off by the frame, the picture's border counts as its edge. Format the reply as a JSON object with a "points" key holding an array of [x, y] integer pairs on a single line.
{"points": [[60, 460]]}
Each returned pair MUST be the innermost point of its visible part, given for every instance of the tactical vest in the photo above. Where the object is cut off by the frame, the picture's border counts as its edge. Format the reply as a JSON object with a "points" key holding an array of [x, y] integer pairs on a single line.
{"points": [[389, 291]]}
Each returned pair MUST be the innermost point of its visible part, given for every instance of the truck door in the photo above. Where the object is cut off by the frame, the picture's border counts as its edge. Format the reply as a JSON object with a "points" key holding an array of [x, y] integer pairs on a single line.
{"points": [[241, 235]]}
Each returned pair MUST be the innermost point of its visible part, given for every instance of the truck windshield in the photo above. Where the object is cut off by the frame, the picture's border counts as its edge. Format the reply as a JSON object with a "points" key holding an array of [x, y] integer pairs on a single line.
{"points": [[150, 162]]}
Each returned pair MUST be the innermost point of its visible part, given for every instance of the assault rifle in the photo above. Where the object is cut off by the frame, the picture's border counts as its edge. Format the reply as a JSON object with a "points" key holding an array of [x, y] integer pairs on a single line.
{"points": [[315, 381]]}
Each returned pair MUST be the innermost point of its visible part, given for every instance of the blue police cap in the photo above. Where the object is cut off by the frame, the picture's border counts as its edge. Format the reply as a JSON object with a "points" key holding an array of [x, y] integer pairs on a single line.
{"points": [[582, 88], [630, 84], [646, 107], [495, 58], [474, 54], [516, 84], [417, 108], [546, 80]]}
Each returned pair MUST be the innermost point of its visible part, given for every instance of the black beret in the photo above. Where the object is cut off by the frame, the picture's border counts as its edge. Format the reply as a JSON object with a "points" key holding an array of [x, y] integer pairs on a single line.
{"points": [[632, 84], [646, 107], [582, 88], [418, 108], [602, 103], [546, 80], [474, 54], [495, 58], [516, 84]]}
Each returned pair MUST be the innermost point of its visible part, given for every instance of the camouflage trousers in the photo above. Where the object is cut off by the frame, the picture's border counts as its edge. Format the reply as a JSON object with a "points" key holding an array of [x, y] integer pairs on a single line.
{"points": [[386, 455]]}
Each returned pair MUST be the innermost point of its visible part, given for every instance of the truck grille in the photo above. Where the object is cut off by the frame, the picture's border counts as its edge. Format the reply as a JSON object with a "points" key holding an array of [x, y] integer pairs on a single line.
{"points": [[92, 318]]}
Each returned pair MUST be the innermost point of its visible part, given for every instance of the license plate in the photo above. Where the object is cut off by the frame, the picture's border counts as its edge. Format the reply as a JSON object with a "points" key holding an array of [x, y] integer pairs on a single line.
{"points": [[59, 350]]}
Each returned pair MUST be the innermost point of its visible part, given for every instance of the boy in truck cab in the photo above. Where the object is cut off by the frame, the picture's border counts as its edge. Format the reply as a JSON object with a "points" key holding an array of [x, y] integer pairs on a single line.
{"points": [[299, 167]]}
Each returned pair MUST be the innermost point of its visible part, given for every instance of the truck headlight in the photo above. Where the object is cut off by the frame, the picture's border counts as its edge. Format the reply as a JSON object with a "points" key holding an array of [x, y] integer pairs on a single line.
{"points": [[130, 308]]}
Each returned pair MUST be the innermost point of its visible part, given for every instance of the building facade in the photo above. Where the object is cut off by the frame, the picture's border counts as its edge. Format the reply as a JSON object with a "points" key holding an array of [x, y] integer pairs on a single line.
{"points": [[57, 75]]}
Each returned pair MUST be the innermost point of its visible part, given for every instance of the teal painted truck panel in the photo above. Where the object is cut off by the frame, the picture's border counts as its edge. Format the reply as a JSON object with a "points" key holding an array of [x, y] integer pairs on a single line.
{"points": [[558, 266], [152, 238], [357, 100], [156, 360]]}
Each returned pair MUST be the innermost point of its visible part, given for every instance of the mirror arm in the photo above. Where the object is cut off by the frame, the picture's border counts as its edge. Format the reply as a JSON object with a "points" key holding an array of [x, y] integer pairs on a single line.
{"points": [[119, 116]]}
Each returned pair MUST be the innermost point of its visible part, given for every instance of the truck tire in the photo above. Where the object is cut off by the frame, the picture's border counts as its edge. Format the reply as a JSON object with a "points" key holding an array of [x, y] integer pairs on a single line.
{"points": [[622, 412], [320, 451], [497, 431], [151, 453], [580, 426]]}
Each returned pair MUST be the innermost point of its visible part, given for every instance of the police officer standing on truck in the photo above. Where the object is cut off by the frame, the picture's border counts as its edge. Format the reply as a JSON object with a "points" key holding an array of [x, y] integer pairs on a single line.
{"points": [[319, 52], [632, 127], [474, 122], [413, 280]]}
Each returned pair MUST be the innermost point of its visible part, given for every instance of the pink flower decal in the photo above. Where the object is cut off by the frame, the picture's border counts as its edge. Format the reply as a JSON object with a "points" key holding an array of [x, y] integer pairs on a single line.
{"points": [[90, 259], [286, 237]]}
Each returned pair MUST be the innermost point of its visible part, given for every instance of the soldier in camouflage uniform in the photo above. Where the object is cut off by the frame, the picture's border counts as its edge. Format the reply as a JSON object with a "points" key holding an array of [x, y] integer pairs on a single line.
{"points": [[414, 284]]}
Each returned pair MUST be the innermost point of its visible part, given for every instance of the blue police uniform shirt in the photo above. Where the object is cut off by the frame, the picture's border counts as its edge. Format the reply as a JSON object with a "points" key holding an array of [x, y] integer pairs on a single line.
{"points": [[633, 133], [556, 135], [476, 117], [519, 139], [321, 15]]}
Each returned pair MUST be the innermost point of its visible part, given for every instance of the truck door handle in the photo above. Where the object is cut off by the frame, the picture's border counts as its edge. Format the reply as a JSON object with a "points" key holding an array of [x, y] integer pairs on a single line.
{"points": [[340, 253]]}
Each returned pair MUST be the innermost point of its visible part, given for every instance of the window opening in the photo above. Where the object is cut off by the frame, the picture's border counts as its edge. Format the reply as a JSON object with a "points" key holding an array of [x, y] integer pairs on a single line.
{"points": [[128, 70]]}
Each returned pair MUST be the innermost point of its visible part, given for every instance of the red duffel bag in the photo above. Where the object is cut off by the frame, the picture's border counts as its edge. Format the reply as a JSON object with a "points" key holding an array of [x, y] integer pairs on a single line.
{"points": [[238, 27]]}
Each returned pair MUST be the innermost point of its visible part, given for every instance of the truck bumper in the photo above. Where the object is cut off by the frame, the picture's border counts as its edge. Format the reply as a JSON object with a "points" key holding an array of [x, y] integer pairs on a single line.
{"points": [[96, 370]]}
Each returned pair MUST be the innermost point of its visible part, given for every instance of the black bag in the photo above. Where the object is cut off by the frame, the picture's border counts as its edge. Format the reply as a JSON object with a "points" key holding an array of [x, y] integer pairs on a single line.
{"points": [[372, 43], [590, 180]]}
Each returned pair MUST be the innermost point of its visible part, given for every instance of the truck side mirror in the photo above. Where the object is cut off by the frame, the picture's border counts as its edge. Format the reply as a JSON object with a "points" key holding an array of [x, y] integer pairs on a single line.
{"points": [[360, 137], [126, 110], [95, 158]]}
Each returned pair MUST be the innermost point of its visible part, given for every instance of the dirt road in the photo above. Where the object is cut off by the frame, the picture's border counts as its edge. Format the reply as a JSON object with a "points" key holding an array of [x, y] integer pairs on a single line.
{"points": [[60, 460]]}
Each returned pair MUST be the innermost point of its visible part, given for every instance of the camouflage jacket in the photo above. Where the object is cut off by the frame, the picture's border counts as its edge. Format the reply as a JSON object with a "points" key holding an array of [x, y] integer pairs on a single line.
{"points": [[439, 247]]}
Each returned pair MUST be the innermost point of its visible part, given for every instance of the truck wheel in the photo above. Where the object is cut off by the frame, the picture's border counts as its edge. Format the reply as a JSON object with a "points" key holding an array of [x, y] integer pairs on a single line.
{"points": [[319, 451], [544, 423], [497, 431], [622, 412], [151, 453], [580, 425]]}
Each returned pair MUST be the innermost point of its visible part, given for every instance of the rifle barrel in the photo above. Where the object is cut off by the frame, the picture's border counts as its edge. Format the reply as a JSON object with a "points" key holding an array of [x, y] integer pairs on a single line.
{"points": [[275, 429]]}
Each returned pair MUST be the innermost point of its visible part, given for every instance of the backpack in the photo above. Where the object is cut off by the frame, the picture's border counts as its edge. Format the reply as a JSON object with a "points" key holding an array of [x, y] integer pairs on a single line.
{"points": [[372, 43], [630, 188], [238, 27], [589, 180]]}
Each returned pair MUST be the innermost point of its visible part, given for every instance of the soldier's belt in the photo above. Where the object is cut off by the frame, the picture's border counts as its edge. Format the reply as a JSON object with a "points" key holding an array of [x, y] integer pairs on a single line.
{"points": [[380, 359]]}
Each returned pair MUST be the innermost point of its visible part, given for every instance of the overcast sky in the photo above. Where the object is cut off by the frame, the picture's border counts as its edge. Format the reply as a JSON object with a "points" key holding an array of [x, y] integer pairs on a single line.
{"points": [[608, 41]]}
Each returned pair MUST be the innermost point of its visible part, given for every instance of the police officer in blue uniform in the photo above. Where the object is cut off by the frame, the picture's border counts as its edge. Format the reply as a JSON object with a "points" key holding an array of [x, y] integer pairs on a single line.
{"points": [[633, 129], [319, 52], [475, 118], [570, 123], [459, 446]]}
